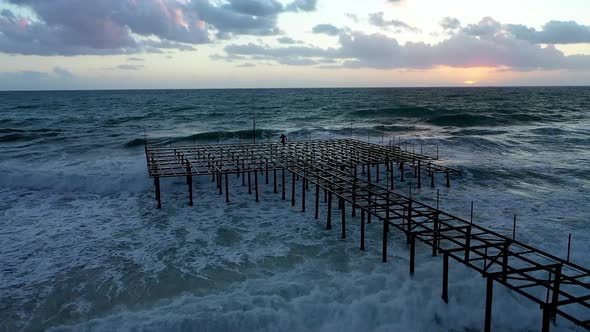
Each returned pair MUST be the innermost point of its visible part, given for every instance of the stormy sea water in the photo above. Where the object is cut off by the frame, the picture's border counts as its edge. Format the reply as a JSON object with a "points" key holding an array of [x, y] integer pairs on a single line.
{"points": [[82, 246]]}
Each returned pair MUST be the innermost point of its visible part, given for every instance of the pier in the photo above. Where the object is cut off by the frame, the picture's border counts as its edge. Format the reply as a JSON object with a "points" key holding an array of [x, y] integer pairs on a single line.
{"points": [[365, 178]]}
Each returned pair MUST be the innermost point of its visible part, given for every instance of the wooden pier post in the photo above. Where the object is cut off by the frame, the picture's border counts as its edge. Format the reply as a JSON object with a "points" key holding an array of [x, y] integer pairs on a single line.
{"points": [[401, 172], [448, 179], [369, 173], [489, 298]]}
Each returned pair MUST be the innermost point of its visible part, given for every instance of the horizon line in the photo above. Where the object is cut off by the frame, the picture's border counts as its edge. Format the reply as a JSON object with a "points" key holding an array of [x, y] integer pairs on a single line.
{"points": [[309, 88]]}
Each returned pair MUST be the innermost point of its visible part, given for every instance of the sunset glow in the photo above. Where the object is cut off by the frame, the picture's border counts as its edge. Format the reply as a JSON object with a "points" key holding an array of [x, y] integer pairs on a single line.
{"points": [[292, 43]]}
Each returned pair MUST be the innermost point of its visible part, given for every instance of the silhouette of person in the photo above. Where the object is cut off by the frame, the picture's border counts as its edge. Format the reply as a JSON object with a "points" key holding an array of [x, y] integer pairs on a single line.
{"points": [[283, 139]]}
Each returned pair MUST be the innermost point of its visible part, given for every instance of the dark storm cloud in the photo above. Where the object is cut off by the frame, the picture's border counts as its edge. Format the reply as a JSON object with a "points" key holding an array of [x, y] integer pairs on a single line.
{"points": [[327, 29], [73, 27]]}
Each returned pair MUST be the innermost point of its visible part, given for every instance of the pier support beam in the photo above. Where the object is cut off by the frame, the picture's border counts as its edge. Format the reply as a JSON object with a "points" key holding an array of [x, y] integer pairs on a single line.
{"points": [[489, 298], [329, 214], [419, 172], [385, 228], [189, 181], [275, 180], [226, 188], [317, 201], [256, 184], [249, 183], [412, 252], [343, 219], [292, 188], [546, 318], [157, 188], [392, 176], [445, 283], [283, 184], [435, 235], [303, 182], [362, 229]]}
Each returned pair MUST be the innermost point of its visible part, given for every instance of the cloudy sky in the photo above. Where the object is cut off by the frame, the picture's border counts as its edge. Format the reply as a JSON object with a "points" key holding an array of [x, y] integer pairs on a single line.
{"points": [[111, 44]]}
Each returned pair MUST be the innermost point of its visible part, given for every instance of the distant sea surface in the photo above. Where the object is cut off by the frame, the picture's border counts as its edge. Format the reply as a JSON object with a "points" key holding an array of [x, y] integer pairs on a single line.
{"points": [[82, 246]]}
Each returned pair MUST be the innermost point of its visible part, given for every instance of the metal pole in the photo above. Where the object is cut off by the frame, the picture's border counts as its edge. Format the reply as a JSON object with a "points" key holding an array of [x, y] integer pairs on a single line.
{"points": [[343, 219], [489, 298], [226, 188], [329, 214], [362, 229], [445, 285]]}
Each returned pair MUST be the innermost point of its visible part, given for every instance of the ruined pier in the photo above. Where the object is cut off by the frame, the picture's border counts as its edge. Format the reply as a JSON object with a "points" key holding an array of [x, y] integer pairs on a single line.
{"points": [[365, 178]]}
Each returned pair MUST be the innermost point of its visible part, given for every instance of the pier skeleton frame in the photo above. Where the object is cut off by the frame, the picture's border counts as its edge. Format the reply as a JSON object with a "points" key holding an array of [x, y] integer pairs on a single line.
{"points": [[342, 170]]}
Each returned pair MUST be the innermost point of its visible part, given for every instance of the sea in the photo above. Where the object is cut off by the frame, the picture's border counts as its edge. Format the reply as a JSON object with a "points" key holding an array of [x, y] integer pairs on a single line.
{"points": [[84, 248]]}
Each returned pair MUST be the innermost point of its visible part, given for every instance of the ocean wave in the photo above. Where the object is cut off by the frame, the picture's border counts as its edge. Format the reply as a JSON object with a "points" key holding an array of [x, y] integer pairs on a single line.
{"points": [[395, 128], [465, 120], [401, 111], [23, 135], [204, 137], [121, 120], [478, 132], [26, 107]]}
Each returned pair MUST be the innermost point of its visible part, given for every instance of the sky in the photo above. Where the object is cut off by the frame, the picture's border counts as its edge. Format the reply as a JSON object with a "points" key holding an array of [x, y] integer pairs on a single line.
{"points": [[169, 44]]}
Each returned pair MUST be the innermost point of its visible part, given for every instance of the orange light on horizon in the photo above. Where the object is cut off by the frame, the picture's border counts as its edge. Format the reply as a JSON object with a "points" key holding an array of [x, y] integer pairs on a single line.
{"points": [[470, 82]]}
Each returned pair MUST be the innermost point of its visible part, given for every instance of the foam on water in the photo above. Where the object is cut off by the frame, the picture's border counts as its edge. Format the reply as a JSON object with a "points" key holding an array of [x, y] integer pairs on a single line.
{"points": [[83, 247]]}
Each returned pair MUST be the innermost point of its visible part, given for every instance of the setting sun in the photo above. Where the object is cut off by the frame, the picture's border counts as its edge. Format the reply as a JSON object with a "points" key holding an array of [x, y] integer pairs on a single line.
{"points": [[469, 82]]}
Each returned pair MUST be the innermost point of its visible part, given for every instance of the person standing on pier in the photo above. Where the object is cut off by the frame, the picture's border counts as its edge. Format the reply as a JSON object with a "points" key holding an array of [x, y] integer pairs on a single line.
{"points": [[283, 139]]}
